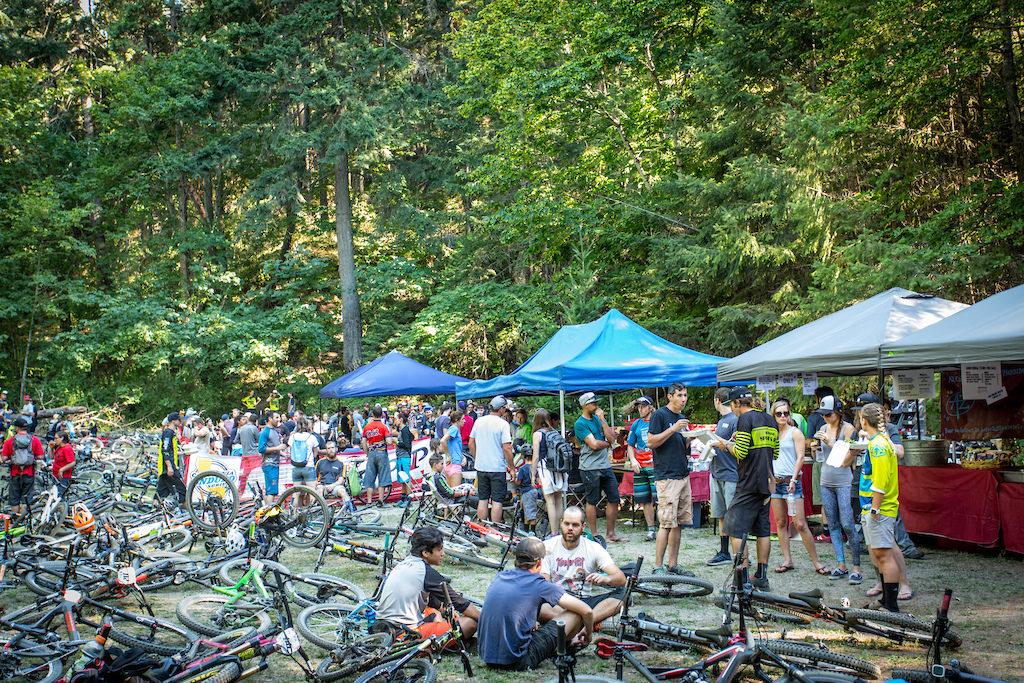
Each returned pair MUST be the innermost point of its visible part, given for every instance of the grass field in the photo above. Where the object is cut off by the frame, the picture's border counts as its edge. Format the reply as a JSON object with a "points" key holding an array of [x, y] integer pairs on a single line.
{"points": [[988, 610]]}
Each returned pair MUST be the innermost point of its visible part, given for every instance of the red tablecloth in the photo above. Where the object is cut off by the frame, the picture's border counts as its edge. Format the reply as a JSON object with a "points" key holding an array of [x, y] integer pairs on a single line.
{"points": [[700, 486], [1011, 513], [951, 502]]}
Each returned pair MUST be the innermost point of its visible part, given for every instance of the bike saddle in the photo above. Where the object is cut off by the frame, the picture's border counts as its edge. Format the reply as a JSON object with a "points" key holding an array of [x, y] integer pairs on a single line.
{"points": [[606, 647], [720, 635], [812, 597]]}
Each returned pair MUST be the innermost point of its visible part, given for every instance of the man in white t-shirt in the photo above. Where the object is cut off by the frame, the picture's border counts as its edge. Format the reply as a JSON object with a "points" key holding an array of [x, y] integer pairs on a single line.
{"points": [[490, 442], [577, 564]]}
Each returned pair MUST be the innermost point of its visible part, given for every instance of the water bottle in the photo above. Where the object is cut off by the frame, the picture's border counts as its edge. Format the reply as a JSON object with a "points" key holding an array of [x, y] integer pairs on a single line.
{"points": [[791, 504], [92, 651]]}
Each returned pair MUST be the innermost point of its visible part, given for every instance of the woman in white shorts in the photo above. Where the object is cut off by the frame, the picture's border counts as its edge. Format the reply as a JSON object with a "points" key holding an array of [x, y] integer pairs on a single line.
{"points": [[553, 484]]}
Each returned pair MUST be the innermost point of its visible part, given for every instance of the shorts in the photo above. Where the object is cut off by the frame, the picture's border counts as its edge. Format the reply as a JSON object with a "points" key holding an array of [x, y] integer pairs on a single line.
{"points": [[378, 470], [675, 503], [303, 475], [22, 486], [491, 486], [644, 490], [542, 646], [748, 514], [722, 493], [529, 497], [595, 600], [337, 489], [452, 469], [782, 490], [596, 482], [880, 533], [552, 482], [403, 466], [271, 475]]}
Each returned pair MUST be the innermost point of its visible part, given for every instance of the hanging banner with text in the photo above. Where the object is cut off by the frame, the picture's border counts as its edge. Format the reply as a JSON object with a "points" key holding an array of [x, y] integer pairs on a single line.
{"points": [[998, 416]]}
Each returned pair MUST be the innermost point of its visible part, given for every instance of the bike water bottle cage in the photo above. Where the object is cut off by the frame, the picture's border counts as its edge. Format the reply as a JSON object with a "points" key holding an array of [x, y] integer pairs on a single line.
{"points": [[606, 647]]}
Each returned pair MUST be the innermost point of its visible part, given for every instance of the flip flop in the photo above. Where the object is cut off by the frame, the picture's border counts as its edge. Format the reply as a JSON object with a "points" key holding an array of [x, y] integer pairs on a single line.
{"points": [[618, 539], [874, 592], [782, 569], [823, 570], [905, 596]]}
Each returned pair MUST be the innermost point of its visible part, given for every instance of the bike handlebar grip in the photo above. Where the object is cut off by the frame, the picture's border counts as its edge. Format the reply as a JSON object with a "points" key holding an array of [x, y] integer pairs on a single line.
{"points": [[946, 598], [639, 562], [561, 637]]}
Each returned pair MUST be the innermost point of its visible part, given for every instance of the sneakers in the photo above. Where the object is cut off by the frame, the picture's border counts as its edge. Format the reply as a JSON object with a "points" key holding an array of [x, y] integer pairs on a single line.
{"points": [[837, 574], [679, 571], [823, 538], [760, 584], [659, 570], [652, 533], [856, 578], [719, 559], [914, 554]]}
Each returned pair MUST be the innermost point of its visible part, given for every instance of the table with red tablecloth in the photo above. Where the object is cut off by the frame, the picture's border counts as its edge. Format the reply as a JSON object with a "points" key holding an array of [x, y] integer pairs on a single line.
{"points": [[954, 503], [1011, 515]]}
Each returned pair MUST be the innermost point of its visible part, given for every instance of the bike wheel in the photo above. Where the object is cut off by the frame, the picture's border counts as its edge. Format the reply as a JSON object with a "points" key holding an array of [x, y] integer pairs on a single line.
{"points": [[304, 525], [211, 500], [767, 611], [125, 449], [161, 567], [412, 671], [469, 554], [826, 677], [587, 679], [358, 655], [20, 668], [349, 519], [811, 657], [169, 539], [316, 589], [330, 625], [210, 614], [152, 635], [671, 586], [898, 627], [230, 573]]}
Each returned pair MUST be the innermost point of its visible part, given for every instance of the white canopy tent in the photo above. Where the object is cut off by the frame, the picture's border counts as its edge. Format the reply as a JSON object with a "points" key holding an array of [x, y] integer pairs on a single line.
{"points": [[846, 342]]}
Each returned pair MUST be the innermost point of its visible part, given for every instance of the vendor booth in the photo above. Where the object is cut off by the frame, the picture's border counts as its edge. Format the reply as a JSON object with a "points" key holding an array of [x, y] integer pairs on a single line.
{"points": [[393, 374]]}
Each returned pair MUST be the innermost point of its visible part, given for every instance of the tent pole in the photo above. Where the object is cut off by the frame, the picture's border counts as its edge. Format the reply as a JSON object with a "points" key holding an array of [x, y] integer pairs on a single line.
{"points": [[611, 411], [561, 401]]}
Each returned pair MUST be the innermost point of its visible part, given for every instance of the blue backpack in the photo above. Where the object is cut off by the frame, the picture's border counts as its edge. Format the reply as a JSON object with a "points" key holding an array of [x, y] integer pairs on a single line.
{"points": [[300, 451]]}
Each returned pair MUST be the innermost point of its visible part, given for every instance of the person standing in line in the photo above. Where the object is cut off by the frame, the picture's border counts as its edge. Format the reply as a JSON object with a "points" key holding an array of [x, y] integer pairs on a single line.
{"points": [[451, 444], [671, 451], [553, 485], [443, 421], [596, 438], [269, 446], [756, 446], [170, 477], [22, 451], [378, 466], [403, 452], [641, 459], [787, 470], [879, 500], [835, 486], [467, 425], [224, 429], [63, 461], [724, 474], [490, 443]]}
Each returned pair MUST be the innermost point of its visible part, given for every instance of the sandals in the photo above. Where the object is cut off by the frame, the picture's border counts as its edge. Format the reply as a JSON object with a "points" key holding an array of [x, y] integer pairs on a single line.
{"points": [[783, 568], [905, 596], [823, 570], [874, 592]]}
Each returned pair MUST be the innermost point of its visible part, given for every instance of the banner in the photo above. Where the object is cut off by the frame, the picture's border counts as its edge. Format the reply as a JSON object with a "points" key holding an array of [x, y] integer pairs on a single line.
{"points": [[977, 420], [243, 470]]}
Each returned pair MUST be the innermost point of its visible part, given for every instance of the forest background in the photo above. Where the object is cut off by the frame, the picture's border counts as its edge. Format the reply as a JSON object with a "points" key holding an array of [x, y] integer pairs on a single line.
{"points": [[198, 198]]}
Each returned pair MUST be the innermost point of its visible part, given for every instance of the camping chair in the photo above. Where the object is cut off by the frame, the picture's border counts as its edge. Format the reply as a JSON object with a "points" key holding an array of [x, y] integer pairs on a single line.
{"points": [[438, 507]]}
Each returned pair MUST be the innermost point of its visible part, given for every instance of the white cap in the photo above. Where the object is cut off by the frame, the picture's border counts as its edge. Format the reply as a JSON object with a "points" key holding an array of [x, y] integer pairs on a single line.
{"points": [[589, 397]]}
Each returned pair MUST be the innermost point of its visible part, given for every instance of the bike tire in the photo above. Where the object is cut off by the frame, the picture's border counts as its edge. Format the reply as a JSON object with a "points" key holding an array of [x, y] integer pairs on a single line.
{"points": [[329, 626], [231, 571], [349, 519], [170, 540], [822, 677], [811, 657], [587, 679], [316, 589], [152, 635], [767, 611], [672, 586], [899, 627], [358, 655], [306, 525], [225, 673], [17, 668], [207, 483], [163, 577], [125, 449], [412, 671], [206, 614], [470, 555]]}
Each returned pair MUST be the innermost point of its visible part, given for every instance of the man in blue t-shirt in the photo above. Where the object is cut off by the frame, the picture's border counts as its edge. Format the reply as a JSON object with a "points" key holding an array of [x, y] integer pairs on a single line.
{"points": [[595, 438], [517, 598], [641, 459]]}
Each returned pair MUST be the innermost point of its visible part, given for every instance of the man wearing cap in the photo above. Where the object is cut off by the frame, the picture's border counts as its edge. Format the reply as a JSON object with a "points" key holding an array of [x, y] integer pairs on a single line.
{"points": [[755, 447], [509, 637], [490, 443], [22, 451], [723, 474], [378, 466], [671, 452], [170, 477], [641, 459], [595, 438]]}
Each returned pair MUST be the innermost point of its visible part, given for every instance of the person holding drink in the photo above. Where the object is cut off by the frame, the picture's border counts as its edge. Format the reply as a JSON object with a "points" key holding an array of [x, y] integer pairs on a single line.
{"points": [[836, 480]]}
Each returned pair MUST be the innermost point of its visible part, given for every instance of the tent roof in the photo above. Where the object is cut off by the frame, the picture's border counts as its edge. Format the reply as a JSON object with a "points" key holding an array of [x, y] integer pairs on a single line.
{"points": [[612, 353], [845, 342], [393, 374], [990, 330]]}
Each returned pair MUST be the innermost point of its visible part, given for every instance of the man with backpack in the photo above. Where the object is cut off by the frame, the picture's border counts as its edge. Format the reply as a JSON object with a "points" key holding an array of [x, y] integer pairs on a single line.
{"points": [[22, 451]]}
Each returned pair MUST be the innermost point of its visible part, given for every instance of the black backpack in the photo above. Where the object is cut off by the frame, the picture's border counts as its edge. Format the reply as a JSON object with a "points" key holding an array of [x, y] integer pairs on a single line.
{"points": [[559, 451]]}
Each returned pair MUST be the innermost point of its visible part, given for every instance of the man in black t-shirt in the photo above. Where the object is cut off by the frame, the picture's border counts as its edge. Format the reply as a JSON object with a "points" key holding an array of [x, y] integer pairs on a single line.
{"points": [[671, 477], [756, 445]]}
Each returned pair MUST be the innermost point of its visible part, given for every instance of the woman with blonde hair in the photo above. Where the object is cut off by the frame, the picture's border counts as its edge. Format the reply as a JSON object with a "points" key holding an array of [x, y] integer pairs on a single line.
{"points": [[879, 500], [553, 484]]}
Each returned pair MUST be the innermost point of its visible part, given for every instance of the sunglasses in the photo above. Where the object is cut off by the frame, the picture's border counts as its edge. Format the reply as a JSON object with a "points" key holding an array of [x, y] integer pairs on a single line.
{"points": [[781, 414]]}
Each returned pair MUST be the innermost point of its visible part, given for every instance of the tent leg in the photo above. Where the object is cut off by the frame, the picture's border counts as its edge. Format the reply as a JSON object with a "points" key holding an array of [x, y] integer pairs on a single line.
{"points": [[611, 411], [561, 412]]}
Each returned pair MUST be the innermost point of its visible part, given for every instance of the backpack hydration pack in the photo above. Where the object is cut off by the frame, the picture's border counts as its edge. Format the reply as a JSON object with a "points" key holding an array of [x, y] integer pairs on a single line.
{"points": [[559, 451], [300, 451], [22, 455]]}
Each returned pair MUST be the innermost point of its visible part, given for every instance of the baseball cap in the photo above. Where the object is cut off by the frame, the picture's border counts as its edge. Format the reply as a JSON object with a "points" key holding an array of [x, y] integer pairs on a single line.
{"points": [[428, 407], [589, 397], [737, 393], [829, 405], [28, 398], [645, 401], [462, 405], [171, 417], [866, 398], [498, 402], [225, 416], [530, 550]]}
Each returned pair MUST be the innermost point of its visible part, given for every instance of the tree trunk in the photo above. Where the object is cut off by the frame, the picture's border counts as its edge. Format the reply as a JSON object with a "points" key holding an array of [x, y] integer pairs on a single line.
{"points": [[1009, 73], [352, 327], [183, 244]]}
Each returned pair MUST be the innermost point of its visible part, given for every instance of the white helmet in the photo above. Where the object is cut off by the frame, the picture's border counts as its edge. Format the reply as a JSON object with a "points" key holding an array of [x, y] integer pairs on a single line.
{"points": [[235, 540]]}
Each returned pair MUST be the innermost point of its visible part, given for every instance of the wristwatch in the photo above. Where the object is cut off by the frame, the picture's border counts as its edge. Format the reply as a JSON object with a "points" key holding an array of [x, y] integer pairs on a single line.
{"points": [[873, 511]]}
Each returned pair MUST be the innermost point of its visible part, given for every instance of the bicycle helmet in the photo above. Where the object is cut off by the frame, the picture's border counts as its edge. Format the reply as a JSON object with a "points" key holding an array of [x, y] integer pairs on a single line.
{"points": [[235, 540], [266, 512], [84, 521]]}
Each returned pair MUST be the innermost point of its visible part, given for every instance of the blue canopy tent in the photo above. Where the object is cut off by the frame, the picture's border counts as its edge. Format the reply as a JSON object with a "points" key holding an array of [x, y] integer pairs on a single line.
{"points": [[612, 353], [393, 374]]}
